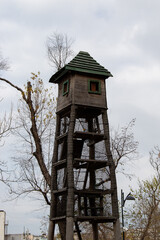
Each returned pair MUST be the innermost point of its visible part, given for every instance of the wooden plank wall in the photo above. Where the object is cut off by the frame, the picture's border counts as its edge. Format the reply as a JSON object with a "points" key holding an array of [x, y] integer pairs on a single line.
{"points": [[78, 92], [83, 97]]}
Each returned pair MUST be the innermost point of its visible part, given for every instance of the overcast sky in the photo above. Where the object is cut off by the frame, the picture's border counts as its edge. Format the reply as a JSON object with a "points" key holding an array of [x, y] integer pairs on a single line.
{"points": [[122, 35]]}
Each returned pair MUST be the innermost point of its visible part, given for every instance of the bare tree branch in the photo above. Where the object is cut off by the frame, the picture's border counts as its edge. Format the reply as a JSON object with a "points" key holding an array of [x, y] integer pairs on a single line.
{"points": [[144, 216], [155, 160], [123, 145], [4, 66], [59, 48]]}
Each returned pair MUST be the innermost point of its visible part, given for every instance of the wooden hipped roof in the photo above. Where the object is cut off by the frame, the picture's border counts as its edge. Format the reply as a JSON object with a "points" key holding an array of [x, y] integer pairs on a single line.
{"points": [[83, 63]]}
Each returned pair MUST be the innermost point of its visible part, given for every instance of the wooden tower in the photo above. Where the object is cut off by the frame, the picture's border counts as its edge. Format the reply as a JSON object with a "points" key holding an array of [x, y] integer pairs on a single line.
{"points": [[83, 172]]}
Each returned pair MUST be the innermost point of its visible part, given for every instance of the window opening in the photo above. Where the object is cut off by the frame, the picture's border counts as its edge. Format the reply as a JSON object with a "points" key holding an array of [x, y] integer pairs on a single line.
{"points": [[94, 86], [65, 87]]}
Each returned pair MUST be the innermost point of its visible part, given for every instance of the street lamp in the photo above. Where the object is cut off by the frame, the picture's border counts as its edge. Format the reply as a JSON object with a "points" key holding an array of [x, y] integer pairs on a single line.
{"points": [[123, 200]]}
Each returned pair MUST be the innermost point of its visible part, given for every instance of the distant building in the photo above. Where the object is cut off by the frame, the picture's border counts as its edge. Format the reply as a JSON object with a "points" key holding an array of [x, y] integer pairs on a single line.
{"points": [[14, 237], [24, 237], [2, 224], [41, 237]]}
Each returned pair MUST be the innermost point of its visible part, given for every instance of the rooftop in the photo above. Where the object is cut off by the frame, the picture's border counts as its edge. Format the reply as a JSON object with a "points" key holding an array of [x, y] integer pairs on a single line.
{"points": [[83, 63]]}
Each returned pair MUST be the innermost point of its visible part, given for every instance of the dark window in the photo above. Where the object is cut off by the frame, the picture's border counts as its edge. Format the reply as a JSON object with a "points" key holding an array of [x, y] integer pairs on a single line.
{"points": [[65, 87], [94, 86]]}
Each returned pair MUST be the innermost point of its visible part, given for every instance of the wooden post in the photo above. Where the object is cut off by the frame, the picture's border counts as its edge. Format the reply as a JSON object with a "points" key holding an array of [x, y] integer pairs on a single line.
{"points": [[116, 229], [92, 182], [95, 231], [51, 230], [54, 182], [70, 179], [114, 198]]}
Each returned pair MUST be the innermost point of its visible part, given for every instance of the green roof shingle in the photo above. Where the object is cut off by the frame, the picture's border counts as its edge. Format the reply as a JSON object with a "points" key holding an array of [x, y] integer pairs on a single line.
{"points": [[83, 63]]}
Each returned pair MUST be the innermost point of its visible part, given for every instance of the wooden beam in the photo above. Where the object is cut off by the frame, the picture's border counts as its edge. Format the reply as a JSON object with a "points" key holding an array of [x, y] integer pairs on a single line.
{"points": [[93, 192], [60, 191], [89, 135], [60, 164], [98, 219]]}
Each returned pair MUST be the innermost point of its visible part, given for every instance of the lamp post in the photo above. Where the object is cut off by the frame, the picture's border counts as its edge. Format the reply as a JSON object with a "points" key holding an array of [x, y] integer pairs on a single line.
{"points": [[123, 200]]}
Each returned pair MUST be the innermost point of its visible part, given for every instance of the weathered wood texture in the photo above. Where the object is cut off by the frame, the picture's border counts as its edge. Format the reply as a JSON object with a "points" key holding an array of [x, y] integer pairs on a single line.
{"points": [[70, 179], [114, 197], [53, 184], [78, 92], [92, 183], [54, 171], [112, 166], [64, 100]]}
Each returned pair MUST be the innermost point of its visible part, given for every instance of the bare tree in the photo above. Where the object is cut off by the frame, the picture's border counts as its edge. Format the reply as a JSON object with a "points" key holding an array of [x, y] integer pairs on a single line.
{"points": [[124, 151], [3, 63], [5, 121], [124, 146], [155, 160], [144, 216], [35, 127], [59, 48], [5, 125]]}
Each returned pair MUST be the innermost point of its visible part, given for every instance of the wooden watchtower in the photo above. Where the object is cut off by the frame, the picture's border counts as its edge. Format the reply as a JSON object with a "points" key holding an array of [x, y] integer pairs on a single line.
{"points": [[83, 172]]}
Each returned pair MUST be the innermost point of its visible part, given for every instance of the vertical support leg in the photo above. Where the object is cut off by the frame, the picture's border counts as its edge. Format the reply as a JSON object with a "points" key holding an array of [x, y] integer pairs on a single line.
{"points": [[54, 183], [69, 228], [95, 231], [92, 183], [116, 229], [114, 197], [70, 179], [51, 230]]}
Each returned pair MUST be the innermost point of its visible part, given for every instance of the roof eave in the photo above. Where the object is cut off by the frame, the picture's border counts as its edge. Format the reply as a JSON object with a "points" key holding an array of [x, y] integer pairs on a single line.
{"points": [[64, 70], [58, 75]]}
